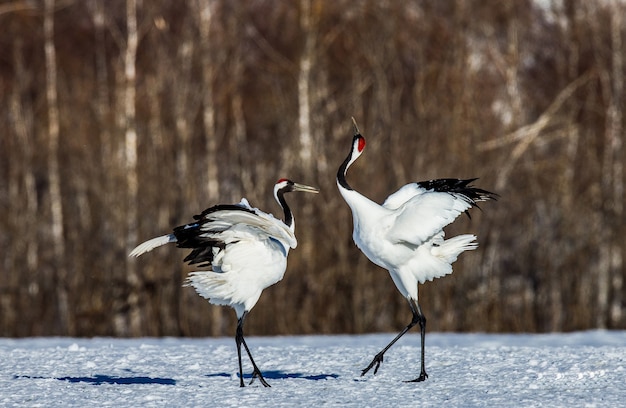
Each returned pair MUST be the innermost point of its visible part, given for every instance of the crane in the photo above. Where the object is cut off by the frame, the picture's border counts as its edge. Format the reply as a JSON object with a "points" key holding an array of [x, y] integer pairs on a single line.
{"points": [[405, 234], [246, 250]]}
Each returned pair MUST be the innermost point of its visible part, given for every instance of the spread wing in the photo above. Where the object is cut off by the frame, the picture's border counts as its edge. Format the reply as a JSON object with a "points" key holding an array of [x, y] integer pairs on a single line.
{"points": [[424, 216], [421, 210]]}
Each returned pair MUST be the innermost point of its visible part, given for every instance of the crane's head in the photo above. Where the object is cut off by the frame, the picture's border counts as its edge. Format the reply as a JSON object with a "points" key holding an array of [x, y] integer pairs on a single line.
{"points": [[358, 144], [284, 185]]}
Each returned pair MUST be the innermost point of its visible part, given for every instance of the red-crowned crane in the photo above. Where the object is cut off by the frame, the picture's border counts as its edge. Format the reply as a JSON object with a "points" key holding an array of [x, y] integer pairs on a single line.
{"points": [[405, 234], [246, 250]]}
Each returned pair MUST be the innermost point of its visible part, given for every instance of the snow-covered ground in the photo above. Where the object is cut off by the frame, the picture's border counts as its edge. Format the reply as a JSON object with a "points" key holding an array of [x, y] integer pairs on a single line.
{"points": [[468, 370]]}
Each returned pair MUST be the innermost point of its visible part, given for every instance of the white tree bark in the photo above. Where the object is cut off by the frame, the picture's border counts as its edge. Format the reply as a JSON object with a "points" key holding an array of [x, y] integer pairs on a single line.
{"points": [[615, 139], [205, 17], [182, 96], [130, 156], [304, 80], [54, 178]]}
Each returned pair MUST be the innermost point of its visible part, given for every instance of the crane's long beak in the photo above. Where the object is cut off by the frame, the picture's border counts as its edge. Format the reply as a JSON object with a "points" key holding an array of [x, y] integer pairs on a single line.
{"points": [[356, 128], [305, 188]]}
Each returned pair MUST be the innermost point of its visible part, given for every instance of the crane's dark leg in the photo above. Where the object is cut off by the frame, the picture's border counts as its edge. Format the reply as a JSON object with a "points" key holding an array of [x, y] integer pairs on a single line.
{"points": [[378, 358], [418, 317], [417, 310], [240, 340]]}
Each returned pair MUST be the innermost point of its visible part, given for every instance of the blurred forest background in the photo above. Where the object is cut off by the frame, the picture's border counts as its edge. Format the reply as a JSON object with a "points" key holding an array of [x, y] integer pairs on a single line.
{"points": [[121, 119]]}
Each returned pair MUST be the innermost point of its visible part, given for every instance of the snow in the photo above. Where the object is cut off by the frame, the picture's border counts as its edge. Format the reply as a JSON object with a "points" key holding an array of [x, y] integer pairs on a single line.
{"points": [[585, 369]]}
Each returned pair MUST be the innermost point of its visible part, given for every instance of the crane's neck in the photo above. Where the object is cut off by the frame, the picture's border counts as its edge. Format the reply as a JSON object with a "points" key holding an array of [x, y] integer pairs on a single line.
{"points": [[362, 207], [289, 221], [358, 203], [358, 143], [341, 173]]}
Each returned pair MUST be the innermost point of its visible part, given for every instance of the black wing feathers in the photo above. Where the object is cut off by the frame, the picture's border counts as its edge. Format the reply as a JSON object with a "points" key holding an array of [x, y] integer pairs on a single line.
{"points": [[221, 207], [192, 236], [461, 187]]}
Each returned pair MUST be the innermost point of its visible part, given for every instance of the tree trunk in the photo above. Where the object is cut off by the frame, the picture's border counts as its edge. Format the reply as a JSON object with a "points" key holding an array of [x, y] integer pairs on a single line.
{"points": [[616, 143], [205, 17], [130, 155], [304, 79], [23, 205], [610, 261], [54, 177]]}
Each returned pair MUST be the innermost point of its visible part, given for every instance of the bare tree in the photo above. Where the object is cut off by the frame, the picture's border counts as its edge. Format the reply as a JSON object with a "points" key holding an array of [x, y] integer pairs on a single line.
{"points": [[304, 80], [529, 97], [22, 202], [23, 122], [102, 102], [56, 198], [205, 15], [239, 143], [130, 155], [614, 169], [610, 259]]}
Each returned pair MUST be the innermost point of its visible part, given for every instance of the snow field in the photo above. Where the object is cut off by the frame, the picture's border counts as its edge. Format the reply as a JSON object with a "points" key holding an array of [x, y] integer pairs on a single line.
{"points": [[586, 369]]}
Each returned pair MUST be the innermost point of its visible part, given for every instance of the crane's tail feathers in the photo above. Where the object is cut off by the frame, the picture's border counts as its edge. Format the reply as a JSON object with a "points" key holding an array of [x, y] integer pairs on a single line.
{"points": [[451, 248], [214, 286], [151, 244]]}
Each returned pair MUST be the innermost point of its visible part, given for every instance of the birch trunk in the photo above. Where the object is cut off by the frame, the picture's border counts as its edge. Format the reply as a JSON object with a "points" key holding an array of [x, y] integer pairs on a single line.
{"points": [[205, 15], [304, 79], [182, 84], [615, 138], [103, 113], [130, 156], [610, 261], [23, 205], [54, 178], [23, 123], [239, 142]]}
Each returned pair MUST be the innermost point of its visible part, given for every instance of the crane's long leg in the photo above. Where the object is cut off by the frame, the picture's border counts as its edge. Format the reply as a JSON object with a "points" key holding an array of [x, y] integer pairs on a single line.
{"points": [[418, 318], [422, 321], [240, 340]]}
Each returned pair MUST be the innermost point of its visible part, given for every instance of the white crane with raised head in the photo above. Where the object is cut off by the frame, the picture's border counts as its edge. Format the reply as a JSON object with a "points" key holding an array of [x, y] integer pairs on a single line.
{"points": [[405, 234]]}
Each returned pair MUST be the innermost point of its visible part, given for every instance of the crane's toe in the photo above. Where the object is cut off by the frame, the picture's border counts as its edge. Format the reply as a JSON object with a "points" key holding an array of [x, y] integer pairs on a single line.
{"points": [[377, 360], [423, 376], [257, 374]]}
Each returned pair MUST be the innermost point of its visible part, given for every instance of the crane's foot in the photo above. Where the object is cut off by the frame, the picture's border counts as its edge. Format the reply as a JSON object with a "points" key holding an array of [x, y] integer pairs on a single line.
{"points": [[423, 376], [257, 374], [376, 361]]}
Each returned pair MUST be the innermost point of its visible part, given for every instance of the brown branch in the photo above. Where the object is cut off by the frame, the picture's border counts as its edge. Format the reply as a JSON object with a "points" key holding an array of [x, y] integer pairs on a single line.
{"points": [[529, 134]]}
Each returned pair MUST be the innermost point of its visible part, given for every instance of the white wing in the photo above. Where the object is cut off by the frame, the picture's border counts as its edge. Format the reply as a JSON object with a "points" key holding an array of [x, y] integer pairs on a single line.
{"points": [[404, 194], [256, 221], [424, 215], [151, 244]]}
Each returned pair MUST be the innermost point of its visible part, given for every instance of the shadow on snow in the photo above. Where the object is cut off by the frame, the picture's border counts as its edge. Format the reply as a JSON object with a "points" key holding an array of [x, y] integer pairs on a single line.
{"points": [[99, 379], [281, 375]]}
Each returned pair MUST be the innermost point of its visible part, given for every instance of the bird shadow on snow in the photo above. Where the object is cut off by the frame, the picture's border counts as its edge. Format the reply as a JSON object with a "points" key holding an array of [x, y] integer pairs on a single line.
{"points": [[281, 375], [100, 379]]}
